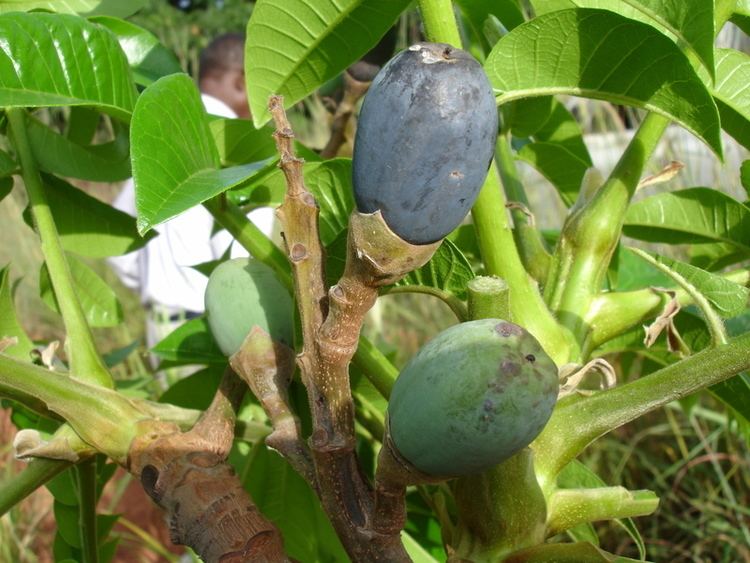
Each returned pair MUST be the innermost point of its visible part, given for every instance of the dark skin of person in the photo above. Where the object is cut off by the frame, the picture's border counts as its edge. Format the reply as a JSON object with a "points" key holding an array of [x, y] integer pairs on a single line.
{"points": [[229, 87]]}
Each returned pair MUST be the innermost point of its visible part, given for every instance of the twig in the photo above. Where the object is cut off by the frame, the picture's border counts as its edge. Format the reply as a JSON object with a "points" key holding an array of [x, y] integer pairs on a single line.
{"points": [[267, 367], [355, 86], [330, 327]]}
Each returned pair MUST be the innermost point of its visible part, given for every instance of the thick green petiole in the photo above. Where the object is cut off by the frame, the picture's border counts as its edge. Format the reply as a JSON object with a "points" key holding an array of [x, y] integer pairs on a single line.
{"points": [[85, 361], [86, 478], [101, 417], [528, 239], [570, 507], [578, 421], [591, 232]]}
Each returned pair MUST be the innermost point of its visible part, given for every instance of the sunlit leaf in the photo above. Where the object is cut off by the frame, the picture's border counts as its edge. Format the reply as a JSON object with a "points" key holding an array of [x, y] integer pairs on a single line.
{"points": [[148, 58], [447, 270], [62, 60], [689, 23], [175, 161], [689, 216], [726, 297], [295, 46], [731, 93], [602, 55], [117, 8], [98, 300]]}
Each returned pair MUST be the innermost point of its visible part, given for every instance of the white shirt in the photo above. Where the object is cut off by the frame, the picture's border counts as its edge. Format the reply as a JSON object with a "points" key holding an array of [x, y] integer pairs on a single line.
{"points": [[161, 271]]}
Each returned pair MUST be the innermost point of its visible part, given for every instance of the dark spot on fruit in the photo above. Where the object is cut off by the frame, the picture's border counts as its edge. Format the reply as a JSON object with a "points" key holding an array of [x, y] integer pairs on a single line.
{"points": [[508, 329], [509, 367], [531, 358], [456, 174]]}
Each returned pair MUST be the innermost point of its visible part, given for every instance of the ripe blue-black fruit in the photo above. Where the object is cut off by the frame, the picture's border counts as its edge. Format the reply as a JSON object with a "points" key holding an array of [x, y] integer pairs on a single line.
{"points": [[425, 138], [472, 397], [243, 293]]}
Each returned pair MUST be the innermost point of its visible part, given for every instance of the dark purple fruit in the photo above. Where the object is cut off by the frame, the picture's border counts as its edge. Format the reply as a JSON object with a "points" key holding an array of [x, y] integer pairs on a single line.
{"points": [[425, 138]]}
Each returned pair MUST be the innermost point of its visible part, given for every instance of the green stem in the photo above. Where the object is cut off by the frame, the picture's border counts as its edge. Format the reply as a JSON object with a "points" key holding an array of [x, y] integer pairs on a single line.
{"points": [[590, 234], [440, 21], [489, 298], [85, 361], [501, 259], [101, 417], [34, 475], [376, 367], [528, 239], [86, 477], [251, 238], [578, 421], [570, 507], [494, 235], [614, 313], [454, 303]]}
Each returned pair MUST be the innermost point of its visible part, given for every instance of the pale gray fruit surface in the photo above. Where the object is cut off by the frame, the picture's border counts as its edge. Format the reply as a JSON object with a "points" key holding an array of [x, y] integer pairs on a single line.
{"points": [[243, 293]]}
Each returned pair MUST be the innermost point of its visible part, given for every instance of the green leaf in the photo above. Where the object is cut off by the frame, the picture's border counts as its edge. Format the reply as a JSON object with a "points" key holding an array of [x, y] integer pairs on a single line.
{"points": [[148, 58], [108, 162], [716, 256], [417, 553], [328, 180], [728, 298], [602, 55], [558, 151], [745, 176], [477, 12], [447, 270], [295, 46], [239, 142], [82, 125], [689, 23], [7, 164], [63, 60], [634, 273], [98, 300], [6, 186], [9, 325], [116, 8], [196, 390], [67, 518], [175, 161], [730, 93], [286, 499], [88, 226], [190, 343], [576, 475], [63, 488], [688, 216]]}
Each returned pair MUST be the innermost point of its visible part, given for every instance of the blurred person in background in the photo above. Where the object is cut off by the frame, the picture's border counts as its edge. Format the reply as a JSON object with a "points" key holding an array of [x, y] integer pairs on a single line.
{"points": [[161, 272]]}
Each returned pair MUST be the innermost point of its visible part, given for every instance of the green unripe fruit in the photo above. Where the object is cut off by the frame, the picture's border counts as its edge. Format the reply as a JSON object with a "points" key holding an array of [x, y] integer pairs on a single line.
{"points": [[472, 397], [243, 293]]}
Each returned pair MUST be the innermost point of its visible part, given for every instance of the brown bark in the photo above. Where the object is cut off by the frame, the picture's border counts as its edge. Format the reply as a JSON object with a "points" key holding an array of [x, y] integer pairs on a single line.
{"points": [[186, 473], [354, 89]]}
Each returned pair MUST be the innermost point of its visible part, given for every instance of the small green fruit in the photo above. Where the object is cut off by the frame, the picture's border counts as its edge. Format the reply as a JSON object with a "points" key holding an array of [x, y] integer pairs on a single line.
{"points": [[472, 397], [243, 293]]}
